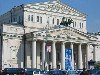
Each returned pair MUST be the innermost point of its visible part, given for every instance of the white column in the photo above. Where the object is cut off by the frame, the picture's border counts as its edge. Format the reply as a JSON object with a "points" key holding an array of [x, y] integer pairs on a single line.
{"points": [[80, 63], [34, 54], [94, 55], [22, 55], [53, 55], [43, 55], [63, 56], [87, 56], [71, 46]]}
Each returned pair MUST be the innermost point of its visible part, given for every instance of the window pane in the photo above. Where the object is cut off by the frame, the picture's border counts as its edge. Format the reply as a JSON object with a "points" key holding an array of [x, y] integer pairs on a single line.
{"points": [[80, 25], [57, 21], [37, 18], [32, 18], [53, 21], [40, 19], [28, 17], [73, 24]]}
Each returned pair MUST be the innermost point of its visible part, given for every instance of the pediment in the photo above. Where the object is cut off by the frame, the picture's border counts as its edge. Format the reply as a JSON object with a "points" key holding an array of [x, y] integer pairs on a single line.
{"points": [[62, 34], [70, 33], [56, 6]]}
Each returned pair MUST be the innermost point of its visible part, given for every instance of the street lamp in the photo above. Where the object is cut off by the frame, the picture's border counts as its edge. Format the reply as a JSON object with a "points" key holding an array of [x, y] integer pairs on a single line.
{"points": [[46, 52]]}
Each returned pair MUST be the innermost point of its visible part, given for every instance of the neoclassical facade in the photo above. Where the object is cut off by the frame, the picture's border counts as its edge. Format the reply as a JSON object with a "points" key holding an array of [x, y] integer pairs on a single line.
{"points": [[32, 37]]}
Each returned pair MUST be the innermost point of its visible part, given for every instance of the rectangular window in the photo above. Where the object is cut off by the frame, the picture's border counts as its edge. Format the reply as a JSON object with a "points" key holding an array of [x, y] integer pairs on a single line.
{"points": [[75, 24], [28, 17], [48, 20], [37, 18], [32, 18], [80, 25], [53, 21], [57, 21], [40, 19]]}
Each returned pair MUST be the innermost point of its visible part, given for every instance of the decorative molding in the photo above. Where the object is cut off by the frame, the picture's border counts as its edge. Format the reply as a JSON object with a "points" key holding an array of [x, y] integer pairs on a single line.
{"points": [[55, 6]]}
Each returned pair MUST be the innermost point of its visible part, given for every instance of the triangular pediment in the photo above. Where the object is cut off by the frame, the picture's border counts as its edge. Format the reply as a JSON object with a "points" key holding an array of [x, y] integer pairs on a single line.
{"points": [[68, 34], [64, 34], [56, 6]]}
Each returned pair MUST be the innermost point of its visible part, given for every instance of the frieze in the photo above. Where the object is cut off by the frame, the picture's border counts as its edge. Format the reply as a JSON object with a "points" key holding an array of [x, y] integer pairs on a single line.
{"points": [[57, 7]]}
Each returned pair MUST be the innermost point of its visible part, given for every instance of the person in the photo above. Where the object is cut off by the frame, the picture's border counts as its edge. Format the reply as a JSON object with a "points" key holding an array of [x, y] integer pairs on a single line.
{"points": [[1, 72], [84, 72]]}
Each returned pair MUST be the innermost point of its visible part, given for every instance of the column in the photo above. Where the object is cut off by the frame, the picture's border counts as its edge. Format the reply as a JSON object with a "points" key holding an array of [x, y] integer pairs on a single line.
{"points": [[71, 46], [94, 55], [34, 54], [53, 55], [80, 63], [63, 56], [87, 56], [22, 55], [43, 55]]}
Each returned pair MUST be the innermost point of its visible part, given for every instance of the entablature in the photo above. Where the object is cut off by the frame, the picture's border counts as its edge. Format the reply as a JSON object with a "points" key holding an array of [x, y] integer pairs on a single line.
{"points": [[12, 36]]}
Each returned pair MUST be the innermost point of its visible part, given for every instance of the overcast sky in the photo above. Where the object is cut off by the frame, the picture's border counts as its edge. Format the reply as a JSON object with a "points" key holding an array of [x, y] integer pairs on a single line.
{"points": [[90, 7]]}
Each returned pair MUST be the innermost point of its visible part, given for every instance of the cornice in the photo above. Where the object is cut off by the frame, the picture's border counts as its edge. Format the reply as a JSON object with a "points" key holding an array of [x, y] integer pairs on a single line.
{"points": [[12, 36]]}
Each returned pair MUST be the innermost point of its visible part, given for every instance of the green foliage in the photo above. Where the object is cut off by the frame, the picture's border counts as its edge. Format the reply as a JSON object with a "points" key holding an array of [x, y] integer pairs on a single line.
{"points": [[97, 65]]}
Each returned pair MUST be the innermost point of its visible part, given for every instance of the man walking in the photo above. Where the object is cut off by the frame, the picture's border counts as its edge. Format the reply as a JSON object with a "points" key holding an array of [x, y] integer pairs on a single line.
{"points": [[84, 72]]}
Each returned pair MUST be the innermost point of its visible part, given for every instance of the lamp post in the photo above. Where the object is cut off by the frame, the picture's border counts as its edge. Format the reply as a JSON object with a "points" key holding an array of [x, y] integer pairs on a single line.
{"points": [[45, 62]]}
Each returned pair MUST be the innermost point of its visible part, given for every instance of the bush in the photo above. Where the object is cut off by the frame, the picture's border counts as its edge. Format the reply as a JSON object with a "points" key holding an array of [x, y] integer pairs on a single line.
{"points": [[97, 65]]}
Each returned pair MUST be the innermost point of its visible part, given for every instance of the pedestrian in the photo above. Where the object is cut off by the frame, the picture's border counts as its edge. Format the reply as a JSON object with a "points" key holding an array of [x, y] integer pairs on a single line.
{"points": [[1, 72], [84, 72]]}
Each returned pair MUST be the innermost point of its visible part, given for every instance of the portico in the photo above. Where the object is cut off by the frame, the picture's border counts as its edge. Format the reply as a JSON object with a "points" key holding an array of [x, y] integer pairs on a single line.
{"points": [[56, 57]]}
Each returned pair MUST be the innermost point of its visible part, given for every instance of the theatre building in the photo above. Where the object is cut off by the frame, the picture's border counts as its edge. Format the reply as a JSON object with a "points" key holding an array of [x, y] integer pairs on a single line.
{"points": [[31, 36]]}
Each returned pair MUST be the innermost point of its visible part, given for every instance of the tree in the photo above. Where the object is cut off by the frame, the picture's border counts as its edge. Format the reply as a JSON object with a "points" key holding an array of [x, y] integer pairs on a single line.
{"points": [[97, 65]]}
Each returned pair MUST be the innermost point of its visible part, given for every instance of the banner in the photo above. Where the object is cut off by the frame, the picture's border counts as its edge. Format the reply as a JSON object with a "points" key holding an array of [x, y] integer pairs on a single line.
{"points": [[48, 48], [68, 59]]}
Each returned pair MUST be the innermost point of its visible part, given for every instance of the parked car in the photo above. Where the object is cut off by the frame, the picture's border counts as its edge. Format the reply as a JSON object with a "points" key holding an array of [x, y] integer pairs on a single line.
{"points": [[31, 71], [14, 71], [56, 72], [93, 71], [97, 73], [73, 72]]}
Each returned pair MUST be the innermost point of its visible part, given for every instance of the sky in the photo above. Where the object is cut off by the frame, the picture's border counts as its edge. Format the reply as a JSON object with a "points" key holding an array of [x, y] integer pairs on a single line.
{"points": [[89, 7]]}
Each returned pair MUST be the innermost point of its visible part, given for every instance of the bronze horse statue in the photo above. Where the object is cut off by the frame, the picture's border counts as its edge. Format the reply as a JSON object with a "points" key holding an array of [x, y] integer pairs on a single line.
{"points": [[66, 22]]}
